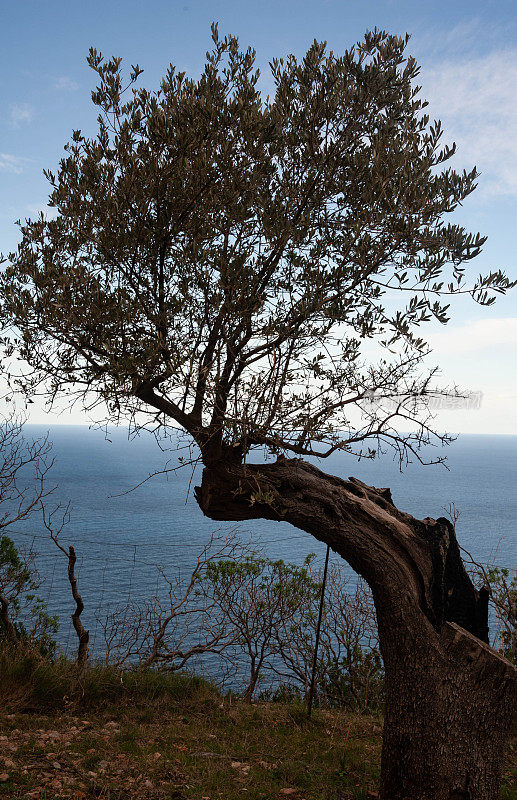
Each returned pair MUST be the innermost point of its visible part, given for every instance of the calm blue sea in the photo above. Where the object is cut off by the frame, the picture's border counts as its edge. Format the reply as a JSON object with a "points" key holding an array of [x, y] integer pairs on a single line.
{"points": [[120, 540]]}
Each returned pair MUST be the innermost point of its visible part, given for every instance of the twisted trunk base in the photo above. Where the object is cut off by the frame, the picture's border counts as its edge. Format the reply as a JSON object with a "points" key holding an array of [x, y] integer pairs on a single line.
{"points": [[449, 697], [448, 713]]}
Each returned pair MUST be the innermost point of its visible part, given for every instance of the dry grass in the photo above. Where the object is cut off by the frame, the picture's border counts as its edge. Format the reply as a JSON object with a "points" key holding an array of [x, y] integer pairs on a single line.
{"points": [[226, 752], [157, 737]]}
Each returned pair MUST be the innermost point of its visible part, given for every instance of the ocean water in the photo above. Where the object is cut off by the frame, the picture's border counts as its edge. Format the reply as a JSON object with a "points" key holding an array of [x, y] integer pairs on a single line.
{"points": [[121, 536]]}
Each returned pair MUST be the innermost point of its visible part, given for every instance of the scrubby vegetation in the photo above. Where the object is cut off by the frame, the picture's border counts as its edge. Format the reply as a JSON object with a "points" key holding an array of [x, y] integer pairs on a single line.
{"points": [[140, 725], [112, 733]]}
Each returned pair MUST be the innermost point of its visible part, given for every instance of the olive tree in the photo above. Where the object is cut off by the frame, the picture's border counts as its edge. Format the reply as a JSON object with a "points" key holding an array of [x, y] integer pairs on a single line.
{"points": [[217, 263]]}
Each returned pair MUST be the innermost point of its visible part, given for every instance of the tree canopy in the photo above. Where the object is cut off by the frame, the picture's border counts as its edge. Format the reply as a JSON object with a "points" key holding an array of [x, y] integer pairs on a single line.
{"points": [[218, 260]]}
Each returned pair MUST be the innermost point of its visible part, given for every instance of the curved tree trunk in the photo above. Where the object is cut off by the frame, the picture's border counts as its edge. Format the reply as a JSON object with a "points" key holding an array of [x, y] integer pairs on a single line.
{"points": [[83, 635], [447, 716], [449, 696]]}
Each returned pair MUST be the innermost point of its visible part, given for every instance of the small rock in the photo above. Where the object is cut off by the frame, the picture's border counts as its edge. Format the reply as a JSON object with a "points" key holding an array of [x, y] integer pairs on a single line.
{"points": [[288, 792], [8, 763], [112, 724], [102, 765], [267, 765], [56, 765], [245, 768]]}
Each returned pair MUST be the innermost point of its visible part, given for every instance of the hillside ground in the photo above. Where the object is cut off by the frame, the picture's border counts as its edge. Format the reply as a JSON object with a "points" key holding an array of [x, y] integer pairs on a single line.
{"points": [[152, 736]]}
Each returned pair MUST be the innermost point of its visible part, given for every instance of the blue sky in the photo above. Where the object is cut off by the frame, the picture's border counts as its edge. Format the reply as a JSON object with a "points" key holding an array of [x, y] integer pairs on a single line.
{"points": [[468, 54]]}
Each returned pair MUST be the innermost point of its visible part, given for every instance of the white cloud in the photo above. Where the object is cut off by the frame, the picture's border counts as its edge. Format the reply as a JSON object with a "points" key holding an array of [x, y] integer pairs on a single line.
{"points": [[476, 99], [497, 415], [21, 113], [65, 84], [10, 163], [466, 38], [475, 336], [478, 356]]}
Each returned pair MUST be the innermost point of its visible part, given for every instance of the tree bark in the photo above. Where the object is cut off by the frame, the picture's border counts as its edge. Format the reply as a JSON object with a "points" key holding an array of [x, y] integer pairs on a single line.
{"points": [[10, 630], [252, 684], [449, 697], [83, 635]]}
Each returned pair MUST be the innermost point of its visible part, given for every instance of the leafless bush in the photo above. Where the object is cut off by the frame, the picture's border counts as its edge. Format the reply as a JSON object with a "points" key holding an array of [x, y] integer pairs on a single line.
{"points": [[348, 663], [24, 488], [178, 623], [24, 472]]}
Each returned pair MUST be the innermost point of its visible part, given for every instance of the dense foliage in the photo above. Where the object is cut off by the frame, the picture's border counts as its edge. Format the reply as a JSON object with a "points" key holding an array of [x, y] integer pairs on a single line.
{"points": [[218, 260]]}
